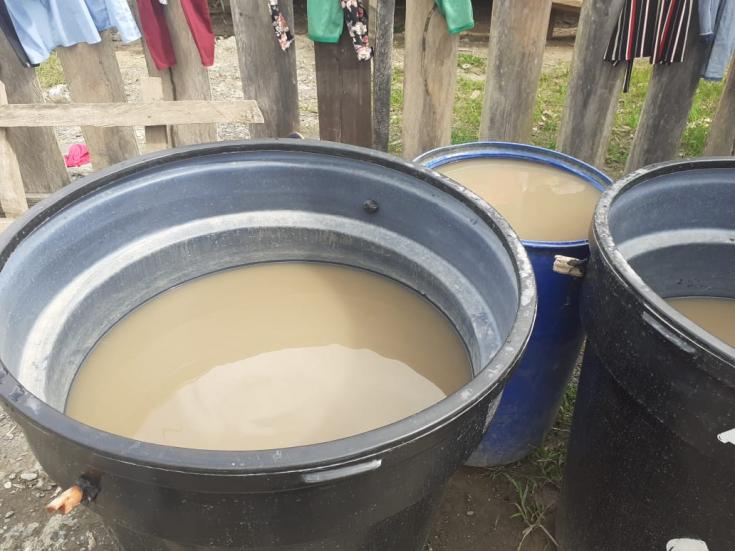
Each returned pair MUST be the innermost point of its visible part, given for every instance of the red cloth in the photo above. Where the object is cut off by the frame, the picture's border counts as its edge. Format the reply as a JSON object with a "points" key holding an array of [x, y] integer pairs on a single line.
{"points": [[78, 155], [158, 39]]}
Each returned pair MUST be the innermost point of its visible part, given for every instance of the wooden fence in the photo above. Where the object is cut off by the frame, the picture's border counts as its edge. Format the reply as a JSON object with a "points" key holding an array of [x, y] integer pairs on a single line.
{"points": [[353, 97]]}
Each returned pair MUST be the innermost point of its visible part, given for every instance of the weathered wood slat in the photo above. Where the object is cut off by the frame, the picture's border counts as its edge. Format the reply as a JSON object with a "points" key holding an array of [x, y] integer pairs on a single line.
{"points": [[515, 56], [268, 73], [156, 137], [721, 139], [167, 85], [430, 79], [594, 85], [12, 195], [343, 93], [145, 113], [93, 75], [39, 157], [666, 110], [189, 78], [382, 21], [4, 223]]}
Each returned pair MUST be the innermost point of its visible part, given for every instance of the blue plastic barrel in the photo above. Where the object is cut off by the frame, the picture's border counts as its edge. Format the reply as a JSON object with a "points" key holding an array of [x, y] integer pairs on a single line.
{"points": [[534, 392]]}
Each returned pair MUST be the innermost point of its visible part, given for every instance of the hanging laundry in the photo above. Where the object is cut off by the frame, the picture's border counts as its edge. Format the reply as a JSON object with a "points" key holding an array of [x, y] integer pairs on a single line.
{"points": [[158, 39], [656, 29], [326, 20], [280, 26], [718, 30], [458, 14], [7, 28], [114, 13], [356, 19], [707, 19], [42, 26]]}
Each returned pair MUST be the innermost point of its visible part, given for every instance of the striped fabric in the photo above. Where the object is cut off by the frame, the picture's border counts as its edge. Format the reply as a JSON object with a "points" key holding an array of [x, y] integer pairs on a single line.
{"points": [[656, 29]]}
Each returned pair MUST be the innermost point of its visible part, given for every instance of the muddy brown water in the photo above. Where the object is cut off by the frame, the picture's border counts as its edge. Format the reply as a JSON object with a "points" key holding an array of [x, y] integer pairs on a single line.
{"points": [[714, 315], [270, 356], [542, 203]]}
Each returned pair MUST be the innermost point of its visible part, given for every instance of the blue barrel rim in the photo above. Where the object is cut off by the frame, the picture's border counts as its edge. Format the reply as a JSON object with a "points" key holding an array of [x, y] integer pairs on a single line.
{"points": [[441, 156]]}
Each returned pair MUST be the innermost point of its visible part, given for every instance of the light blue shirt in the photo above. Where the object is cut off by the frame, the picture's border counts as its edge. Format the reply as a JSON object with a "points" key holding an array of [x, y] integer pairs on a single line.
{"points": [[724, 42], [42, 25]]}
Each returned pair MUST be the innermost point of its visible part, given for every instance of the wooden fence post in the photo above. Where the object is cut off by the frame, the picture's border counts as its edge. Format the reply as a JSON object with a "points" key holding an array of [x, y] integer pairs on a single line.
{"points": [[164, 75], [39, 157], [93, 76], [666, 110], [156, 137], [430, 77], [343, 93], [721, 140], [382, 20], [515, 56], [268, 73], [594, 85], [189, 77], [12, 195]]}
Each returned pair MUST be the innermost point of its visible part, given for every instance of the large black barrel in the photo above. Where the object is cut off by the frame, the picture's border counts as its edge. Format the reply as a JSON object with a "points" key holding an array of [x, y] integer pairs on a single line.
{"points": [[650, 464], [79, 262]]}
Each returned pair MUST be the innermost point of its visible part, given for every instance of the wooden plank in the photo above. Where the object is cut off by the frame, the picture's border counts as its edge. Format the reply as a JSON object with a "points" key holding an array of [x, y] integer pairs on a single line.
{"points": [[666, 110], [93, 76], [594, 85], [33, 198], [4, 223], [343, 93], [430, 68], [167, 85], [268, 73], [156, 137], [517, 41], [190, 79], [382, 18], [41, 162], [144, 113], [721, 140], [552, 25], [568, 5], [12, 195]]}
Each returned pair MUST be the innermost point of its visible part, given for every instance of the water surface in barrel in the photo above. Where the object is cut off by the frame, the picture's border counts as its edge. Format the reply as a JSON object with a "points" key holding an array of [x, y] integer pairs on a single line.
{"points": [[269, 356], [714, 315], [541, 202]]}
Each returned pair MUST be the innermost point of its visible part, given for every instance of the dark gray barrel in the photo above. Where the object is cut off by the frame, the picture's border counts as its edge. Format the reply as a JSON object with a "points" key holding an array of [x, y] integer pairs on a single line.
{"points": [[80, 261], [650, 463]]}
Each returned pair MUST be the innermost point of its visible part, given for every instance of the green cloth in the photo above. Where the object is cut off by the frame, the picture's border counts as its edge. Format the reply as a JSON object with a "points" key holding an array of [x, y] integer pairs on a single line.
{"points": [[325, 20], [458, 14]]}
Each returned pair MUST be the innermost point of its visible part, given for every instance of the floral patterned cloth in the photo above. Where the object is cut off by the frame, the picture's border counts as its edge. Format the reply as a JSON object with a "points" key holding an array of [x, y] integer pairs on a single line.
{"points": [[330, 24], [356, 18], [280, 26]]}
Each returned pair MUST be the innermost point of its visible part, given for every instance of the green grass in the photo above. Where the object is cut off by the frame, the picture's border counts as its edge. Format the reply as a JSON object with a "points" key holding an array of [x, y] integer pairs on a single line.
{"points": [[550, 103], [50, 72]]}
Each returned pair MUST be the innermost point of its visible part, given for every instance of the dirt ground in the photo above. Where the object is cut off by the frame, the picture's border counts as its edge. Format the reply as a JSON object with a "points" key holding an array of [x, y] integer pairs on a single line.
{"points": [[479, 512]]}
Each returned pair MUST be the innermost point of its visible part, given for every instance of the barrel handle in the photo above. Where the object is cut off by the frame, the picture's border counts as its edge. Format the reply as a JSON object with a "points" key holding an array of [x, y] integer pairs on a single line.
{"points": [[567, 265], [329, 475]]}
